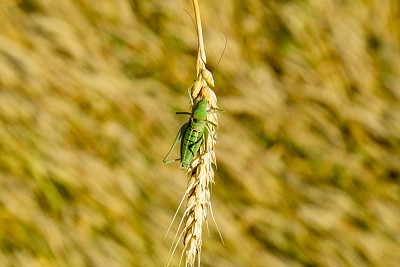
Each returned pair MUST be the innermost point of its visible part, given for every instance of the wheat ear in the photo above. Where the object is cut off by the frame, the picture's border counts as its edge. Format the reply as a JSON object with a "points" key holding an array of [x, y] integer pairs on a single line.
{"points": [[202, 174]]}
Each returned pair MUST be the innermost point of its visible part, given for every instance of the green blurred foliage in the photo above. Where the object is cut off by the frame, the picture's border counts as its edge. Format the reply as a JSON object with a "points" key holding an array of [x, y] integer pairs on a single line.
{"points": [[309, 148]]}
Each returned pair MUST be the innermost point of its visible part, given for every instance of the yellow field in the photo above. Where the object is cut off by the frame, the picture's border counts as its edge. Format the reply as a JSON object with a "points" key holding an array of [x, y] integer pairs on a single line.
{"points": [[308, 150]]}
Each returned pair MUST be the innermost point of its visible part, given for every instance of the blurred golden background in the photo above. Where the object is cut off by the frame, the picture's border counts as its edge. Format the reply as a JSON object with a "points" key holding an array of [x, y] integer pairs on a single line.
{"points": [[309, 148]]}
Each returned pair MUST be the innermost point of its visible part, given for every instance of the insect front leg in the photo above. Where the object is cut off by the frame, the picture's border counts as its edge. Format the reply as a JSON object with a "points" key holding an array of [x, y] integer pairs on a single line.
{"points": [[215, 111], [215, 125], [178, 136], [190, 95], [205, 139]]}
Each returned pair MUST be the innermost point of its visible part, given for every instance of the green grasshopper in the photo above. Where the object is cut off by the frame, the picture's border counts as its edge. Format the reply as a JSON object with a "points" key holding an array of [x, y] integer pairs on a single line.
{"points": [[192, 133]]}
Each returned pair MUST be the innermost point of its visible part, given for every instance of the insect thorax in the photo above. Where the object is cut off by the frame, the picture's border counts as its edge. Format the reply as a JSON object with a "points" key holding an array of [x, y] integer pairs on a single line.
{"points": [[197, 125]]}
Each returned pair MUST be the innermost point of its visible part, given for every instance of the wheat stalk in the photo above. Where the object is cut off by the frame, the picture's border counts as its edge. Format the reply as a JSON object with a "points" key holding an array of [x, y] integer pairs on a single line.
{"points": [[202, 174]]}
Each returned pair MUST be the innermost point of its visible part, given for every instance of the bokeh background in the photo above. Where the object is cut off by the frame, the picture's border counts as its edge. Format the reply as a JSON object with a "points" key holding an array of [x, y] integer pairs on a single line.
{"points": [[308, 150]]}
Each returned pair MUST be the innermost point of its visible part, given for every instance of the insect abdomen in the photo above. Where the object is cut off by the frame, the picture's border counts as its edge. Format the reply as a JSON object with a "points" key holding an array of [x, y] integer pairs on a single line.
{"points": [[190, 144]]}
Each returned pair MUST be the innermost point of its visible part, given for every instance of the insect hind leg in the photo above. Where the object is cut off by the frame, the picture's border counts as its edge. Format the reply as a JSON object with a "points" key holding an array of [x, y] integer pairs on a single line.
{"points": [[178, 136], [170, 161]]}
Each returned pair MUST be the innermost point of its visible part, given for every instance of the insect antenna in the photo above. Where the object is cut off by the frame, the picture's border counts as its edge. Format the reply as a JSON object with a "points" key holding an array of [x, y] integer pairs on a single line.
{"points": [[194, 24], [223, 52]]}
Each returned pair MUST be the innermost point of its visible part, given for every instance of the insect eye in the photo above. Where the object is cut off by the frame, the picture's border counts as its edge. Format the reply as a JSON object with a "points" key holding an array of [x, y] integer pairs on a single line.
{"points": [[195, 120]]}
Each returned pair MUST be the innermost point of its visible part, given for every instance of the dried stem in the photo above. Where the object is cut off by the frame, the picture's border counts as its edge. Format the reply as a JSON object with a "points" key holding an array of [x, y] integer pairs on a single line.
{"points": [[201, 57], [202, 174]]}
